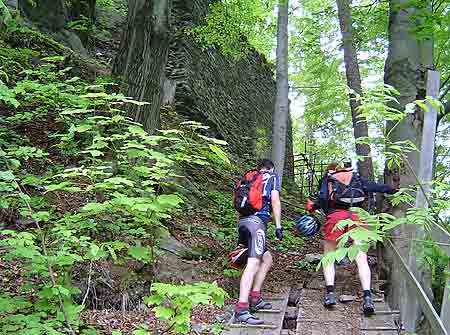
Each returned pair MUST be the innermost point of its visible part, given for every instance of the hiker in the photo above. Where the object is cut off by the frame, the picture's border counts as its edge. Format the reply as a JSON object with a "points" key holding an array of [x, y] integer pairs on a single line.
{"points": [[252, 234], [340, 189]]}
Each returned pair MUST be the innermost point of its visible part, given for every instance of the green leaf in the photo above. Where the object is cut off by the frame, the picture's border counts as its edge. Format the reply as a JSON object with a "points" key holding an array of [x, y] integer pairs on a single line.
{"points": [[353, 252], [214, 140], [220, 153], [95, 207], [64, 186], [53, 59], [134, 102], [140, 253], [94, 250], [83, 128], [154, 299], [163, 313], [119, 180], [169, 199], [41, 216], [95, 95], [340, 254], [7, 175]]}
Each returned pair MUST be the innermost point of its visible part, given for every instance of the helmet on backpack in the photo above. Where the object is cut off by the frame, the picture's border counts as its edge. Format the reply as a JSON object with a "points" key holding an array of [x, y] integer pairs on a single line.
{"points": [[238, 258], [307, 225]]}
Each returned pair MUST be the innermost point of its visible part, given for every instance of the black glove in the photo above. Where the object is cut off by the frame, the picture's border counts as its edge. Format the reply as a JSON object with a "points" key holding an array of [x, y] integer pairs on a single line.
{"points": [[279, 233]]}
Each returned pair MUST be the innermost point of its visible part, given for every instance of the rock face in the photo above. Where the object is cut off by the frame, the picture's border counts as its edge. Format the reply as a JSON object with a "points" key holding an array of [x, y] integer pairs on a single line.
{"points": [[234, 97], [165, 65]]}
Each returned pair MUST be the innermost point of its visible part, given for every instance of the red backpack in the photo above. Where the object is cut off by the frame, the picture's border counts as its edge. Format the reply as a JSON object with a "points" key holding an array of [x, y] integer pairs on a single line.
{"points": [[248, 193]]}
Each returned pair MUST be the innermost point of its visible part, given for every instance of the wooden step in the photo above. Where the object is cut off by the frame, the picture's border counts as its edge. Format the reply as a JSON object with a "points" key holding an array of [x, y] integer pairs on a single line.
{"points": [[273, 318]]}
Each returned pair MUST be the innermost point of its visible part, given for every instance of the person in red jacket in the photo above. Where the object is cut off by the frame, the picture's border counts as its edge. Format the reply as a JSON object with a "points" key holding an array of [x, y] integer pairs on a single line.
{"points": [[340, 189]]}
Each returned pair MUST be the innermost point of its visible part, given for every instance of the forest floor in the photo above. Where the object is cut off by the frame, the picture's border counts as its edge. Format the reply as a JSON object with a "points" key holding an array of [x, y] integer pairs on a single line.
{"points": [[290, 269]]}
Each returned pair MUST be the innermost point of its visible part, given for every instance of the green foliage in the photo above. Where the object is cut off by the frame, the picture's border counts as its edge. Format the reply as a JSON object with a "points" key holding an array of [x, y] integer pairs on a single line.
{"points": [[434, 258], [81, 24], [222, 210], [231, 273], [235, 26], [8, 96], [290, 241], [174, 303], [304, 265], [117, 176]]}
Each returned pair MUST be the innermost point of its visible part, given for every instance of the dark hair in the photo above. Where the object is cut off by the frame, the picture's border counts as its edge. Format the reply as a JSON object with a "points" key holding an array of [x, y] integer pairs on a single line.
{"points": [[265, 164], [332, 166], [347, 165]]}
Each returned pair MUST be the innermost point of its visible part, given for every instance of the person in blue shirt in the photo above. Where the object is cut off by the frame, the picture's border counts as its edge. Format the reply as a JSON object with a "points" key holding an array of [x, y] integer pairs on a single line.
{"points": [[252, 234]]}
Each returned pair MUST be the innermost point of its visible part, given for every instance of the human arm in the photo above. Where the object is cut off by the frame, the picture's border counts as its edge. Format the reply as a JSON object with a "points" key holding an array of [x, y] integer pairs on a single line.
{"points": [[276, 208], [373, 187]]}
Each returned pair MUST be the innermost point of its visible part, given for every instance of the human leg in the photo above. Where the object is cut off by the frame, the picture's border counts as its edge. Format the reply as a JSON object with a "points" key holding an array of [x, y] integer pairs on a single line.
{"points": [[329, 273], [266, 264], [256, 302], [364, 273], [254, 238]]}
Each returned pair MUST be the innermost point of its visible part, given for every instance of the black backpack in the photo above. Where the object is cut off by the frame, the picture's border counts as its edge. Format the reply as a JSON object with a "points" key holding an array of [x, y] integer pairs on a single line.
{"points": [[351, 195]]}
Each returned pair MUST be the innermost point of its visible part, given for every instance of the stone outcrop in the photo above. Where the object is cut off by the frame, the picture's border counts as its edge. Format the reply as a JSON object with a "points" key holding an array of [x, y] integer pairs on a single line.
{"points": [[235, 98]]}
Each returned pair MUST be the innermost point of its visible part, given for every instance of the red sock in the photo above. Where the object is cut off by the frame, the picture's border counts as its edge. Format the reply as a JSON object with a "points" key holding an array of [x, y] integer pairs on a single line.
{"points": [[255, 295], [240, 306]]}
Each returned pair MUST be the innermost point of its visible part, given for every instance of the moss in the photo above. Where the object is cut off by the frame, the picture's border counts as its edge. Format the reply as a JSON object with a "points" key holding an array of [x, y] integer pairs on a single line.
{"points": [[20, 55], [31, 39]]}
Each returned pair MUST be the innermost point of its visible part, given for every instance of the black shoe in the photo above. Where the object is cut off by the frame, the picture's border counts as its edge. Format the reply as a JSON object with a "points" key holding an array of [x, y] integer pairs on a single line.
{"points": [[244, 316], [330, 299], [368, 307], [259, 304]]}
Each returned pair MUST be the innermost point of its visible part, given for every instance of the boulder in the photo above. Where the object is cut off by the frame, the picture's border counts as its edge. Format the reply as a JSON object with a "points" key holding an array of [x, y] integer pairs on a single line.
{"points": [[172, 268], [313, 258]]}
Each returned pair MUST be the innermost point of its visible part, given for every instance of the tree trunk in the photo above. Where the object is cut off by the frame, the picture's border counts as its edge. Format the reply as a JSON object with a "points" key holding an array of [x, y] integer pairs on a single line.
{"points": [[281, 112], [406, 65], [49, 14], [5, 15], [142, 58], [360, 128]]}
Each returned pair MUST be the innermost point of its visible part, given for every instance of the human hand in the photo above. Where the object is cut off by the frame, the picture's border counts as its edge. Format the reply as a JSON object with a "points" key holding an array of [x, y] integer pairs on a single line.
{"points": [[279, 233], [309, 205]]}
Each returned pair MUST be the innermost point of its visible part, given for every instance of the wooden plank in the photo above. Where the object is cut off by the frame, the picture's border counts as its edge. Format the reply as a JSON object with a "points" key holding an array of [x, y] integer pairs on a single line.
{"points": [[412, 283], [263, 326], [273, 319]]}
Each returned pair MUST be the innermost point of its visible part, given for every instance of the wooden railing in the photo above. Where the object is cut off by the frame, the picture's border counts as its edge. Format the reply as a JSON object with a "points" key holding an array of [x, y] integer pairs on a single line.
{"points": [[413, 297], [415, 293]]}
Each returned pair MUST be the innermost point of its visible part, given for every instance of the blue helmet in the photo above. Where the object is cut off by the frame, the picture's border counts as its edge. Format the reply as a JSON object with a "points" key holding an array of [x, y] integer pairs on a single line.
{"points": [[307, 225]]}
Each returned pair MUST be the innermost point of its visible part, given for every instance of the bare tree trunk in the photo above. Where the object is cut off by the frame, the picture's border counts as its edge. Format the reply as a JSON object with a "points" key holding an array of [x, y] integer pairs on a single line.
{"points": [[5, 15], [360, 128], [281, 112], [406, 66], [142, 58]]}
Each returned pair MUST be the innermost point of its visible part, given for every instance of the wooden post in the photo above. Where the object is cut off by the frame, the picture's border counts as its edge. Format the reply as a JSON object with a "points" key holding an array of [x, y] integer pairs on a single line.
{"points": [[409, 304]]}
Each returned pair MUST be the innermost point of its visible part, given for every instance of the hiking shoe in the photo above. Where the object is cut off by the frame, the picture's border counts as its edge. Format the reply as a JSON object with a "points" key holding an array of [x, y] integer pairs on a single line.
{"points": [[330, 299], [260, 304], [368, 307], [244, 316]]}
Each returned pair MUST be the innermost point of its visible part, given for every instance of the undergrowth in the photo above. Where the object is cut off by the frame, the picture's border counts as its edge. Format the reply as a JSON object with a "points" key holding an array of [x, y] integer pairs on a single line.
{"points": [[81, 183]]}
